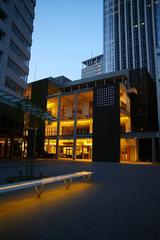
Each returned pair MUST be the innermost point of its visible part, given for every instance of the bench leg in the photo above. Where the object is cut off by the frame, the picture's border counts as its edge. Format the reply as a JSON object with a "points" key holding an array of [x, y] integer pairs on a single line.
{"points": [[39, 190], [67, 183], [87, 178]]}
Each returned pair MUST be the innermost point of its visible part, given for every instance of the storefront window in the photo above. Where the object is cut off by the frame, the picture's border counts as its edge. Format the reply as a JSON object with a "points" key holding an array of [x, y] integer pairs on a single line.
{"points": [[128, 151], [84, 149], [2, 147], [50, 147], [65, 149]]}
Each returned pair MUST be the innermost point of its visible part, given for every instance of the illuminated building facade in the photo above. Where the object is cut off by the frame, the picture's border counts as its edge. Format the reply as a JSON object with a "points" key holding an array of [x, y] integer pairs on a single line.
{"points": [[93, 118], [101, 118], [75, 133]]}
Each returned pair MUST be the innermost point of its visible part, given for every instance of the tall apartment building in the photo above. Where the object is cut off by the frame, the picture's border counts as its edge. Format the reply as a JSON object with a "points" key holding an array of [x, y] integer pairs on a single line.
{"points": [[132, 37], [16, 27], [92, 66]]}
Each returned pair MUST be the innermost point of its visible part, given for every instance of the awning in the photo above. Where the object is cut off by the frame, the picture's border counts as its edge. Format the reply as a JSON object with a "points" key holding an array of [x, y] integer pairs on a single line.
{"points": [[25, 105]]}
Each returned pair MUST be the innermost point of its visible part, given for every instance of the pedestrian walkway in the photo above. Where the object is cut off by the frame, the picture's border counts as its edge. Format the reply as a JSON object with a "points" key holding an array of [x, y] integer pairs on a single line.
{"points": [[121, 202]]}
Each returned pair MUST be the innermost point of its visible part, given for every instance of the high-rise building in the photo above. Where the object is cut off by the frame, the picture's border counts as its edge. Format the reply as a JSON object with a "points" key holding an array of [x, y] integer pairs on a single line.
{"points": [[92, 66], [132, 36], [16, 27]]}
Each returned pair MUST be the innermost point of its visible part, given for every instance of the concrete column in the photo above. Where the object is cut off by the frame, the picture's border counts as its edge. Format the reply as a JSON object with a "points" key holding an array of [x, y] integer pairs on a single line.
{"points": [[6, 148], [137, 150], [58, 125], [158, 149], [153, 151], [11, 155], [75, 125]]}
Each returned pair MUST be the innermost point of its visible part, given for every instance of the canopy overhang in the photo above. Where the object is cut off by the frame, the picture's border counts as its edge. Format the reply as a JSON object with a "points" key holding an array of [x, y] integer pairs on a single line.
{"points": [[25, 105]]}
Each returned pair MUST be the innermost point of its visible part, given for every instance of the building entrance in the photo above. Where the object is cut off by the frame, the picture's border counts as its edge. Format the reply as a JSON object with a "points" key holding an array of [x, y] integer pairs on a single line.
{"points": [[128, 152], [65, 150], [4, 147], [84, 149]]}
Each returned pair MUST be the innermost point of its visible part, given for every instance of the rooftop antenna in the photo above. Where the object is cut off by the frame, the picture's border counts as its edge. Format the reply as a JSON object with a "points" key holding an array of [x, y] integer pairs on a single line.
{"points": [[91, 54]]}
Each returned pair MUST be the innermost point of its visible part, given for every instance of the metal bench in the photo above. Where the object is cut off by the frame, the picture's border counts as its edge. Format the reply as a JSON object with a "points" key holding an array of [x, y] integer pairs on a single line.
{"points": [[39, 184]]}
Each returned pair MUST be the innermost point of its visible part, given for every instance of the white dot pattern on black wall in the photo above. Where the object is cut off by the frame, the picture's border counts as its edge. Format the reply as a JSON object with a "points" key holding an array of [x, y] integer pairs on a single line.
{"points": [[106, 96]]}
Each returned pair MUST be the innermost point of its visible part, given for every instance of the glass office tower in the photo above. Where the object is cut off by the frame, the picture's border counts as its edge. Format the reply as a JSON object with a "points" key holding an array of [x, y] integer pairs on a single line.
{"points": [[157, 32], [132, 36]]}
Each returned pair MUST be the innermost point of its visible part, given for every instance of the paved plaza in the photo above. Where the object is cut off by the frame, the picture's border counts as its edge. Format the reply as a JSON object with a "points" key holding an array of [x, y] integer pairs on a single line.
{"points": [[121, 202]]}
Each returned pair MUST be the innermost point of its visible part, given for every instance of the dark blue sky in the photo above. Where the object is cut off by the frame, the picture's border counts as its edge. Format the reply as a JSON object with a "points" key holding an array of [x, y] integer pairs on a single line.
{"points": [[66, 32]]}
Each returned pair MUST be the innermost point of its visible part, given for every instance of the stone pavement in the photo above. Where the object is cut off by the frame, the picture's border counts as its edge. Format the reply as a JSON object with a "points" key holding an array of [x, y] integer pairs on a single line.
{"points": [[121, 202]]}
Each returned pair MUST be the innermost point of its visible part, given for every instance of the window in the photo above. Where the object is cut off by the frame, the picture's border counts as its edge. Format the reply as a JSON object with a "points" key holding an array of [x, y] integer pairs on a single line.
{"points": [[26, 12], [16, 69], [19, 53], [22, 21], [12, 85], [21, 38]]}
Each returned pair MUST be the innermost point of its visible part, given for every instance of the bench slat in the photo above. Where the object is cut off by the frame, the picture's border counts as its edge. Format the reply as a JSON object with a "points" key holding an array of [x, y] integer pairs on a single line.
{"points": [[43, 181]]}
